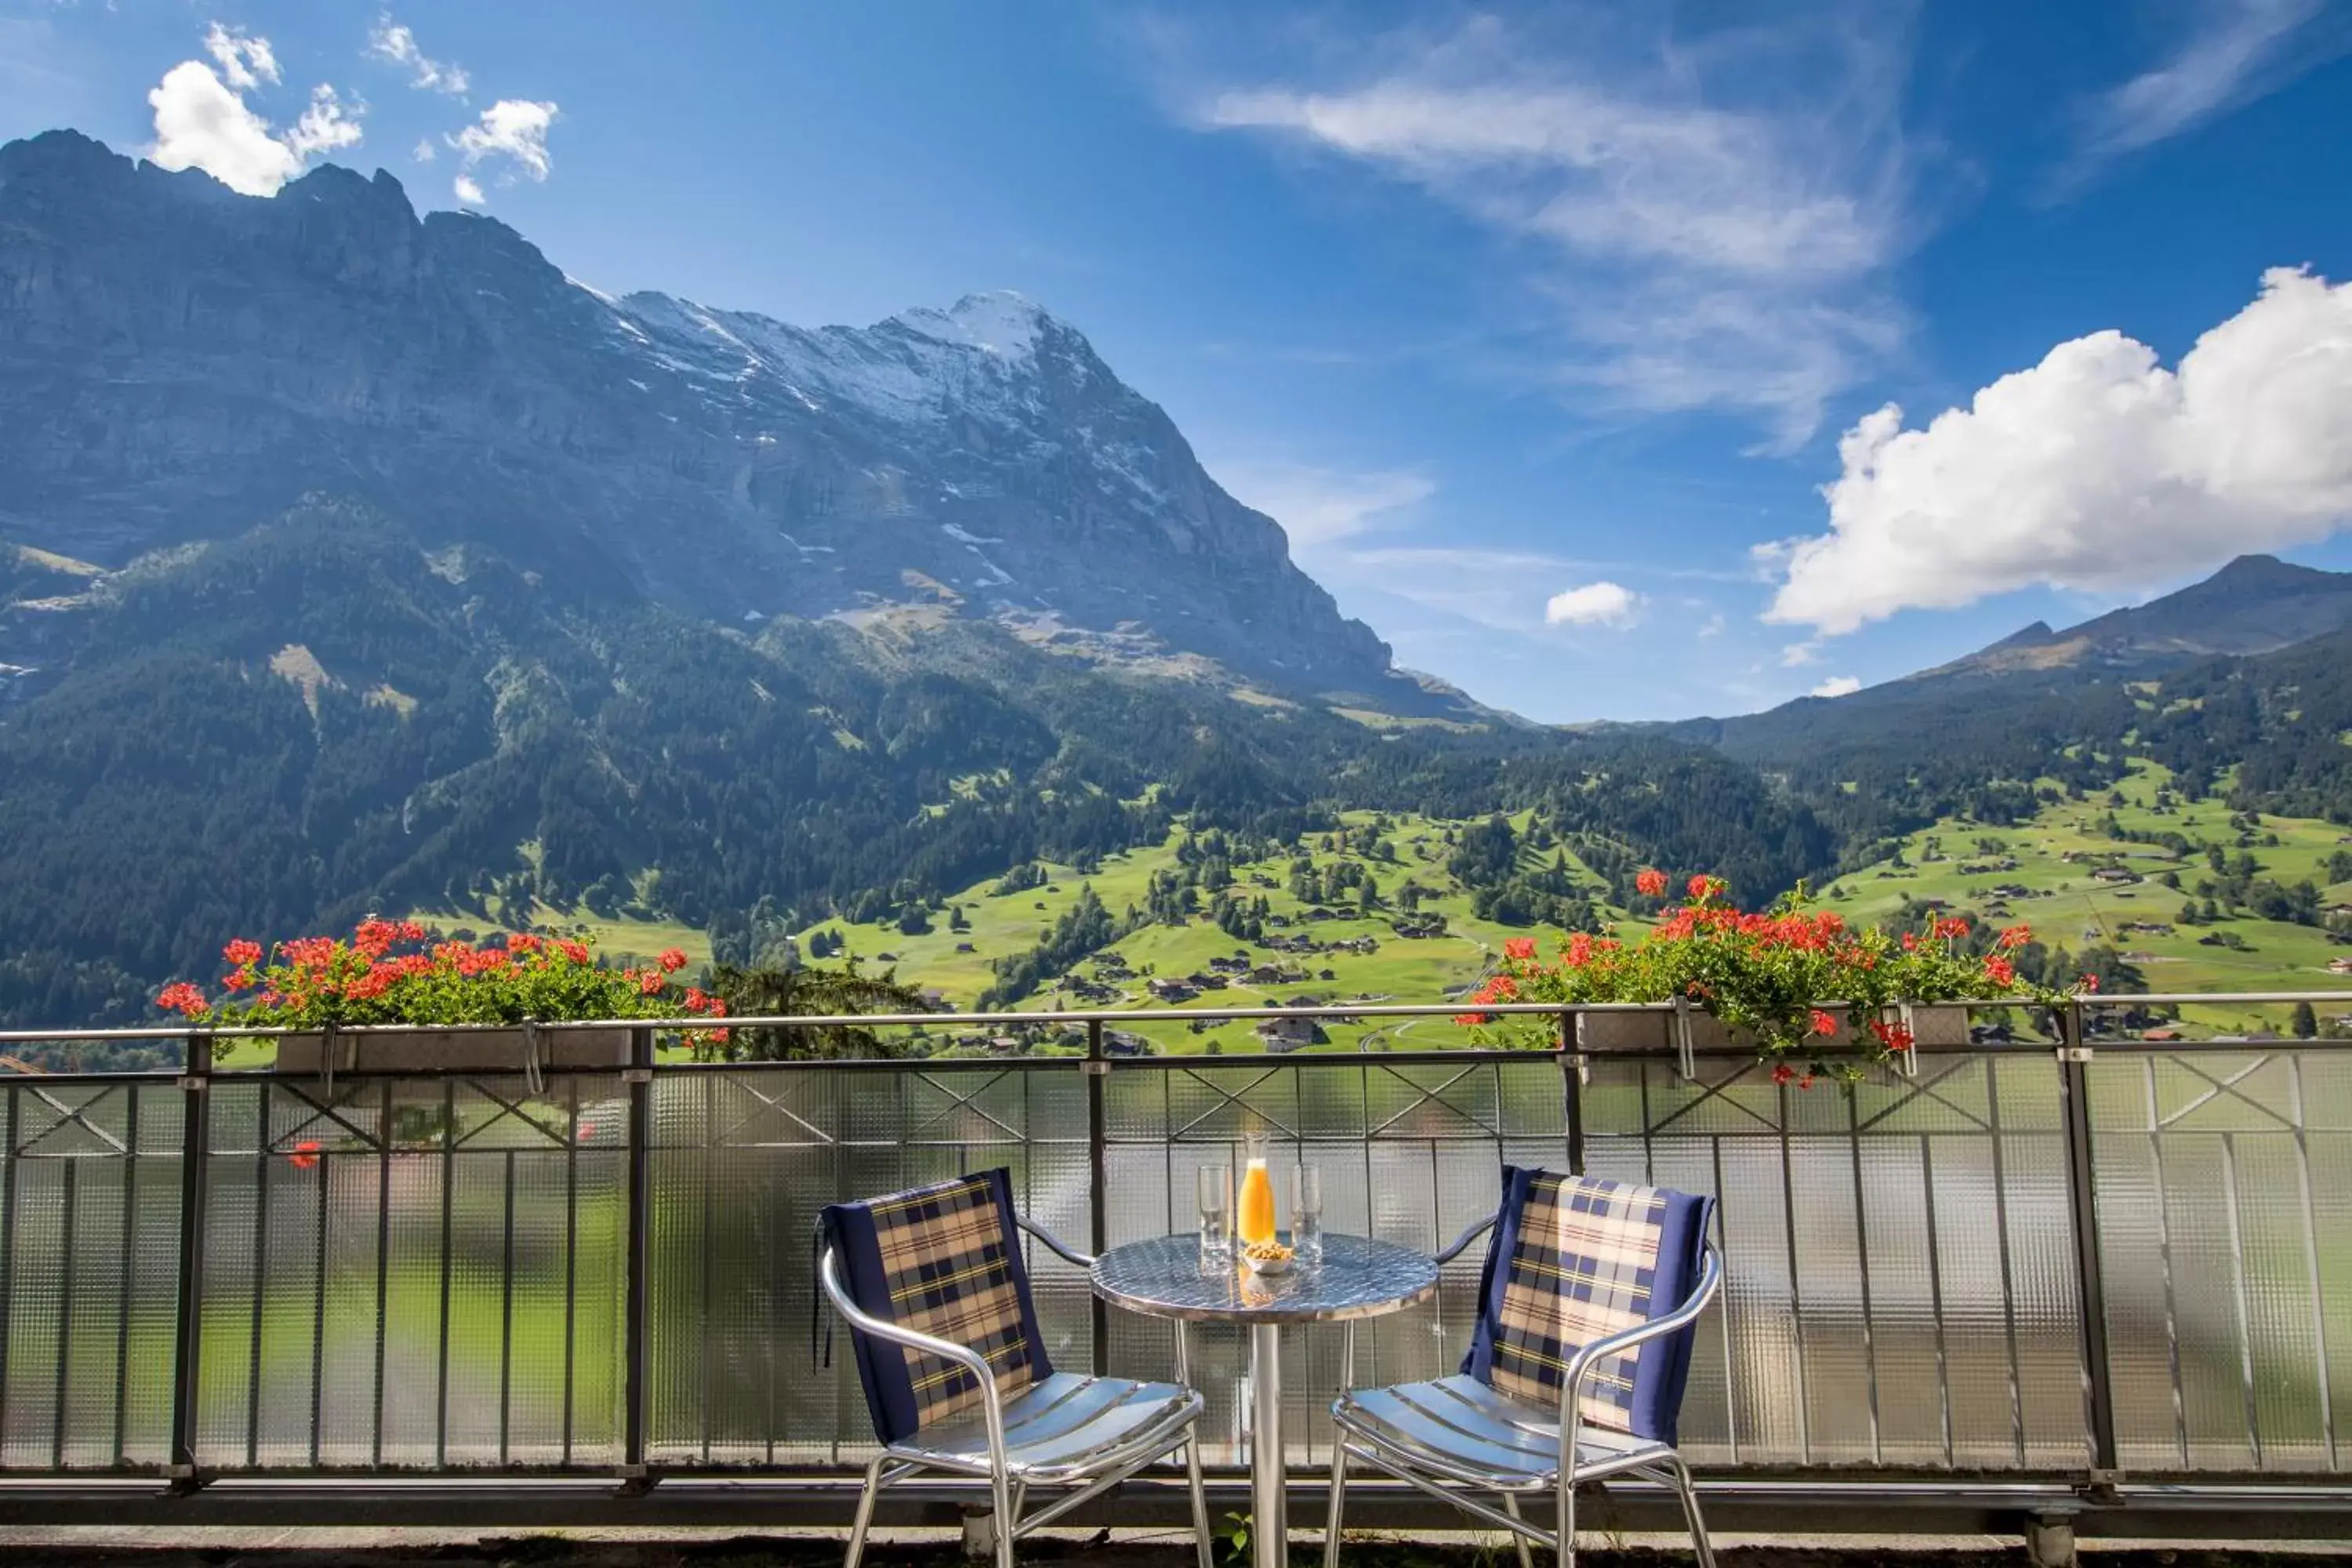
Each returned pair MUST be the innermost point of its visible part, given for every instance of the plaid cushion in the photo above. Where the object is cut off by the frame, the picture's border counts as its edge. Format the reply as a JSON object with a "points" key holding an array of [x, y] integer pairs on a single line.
{"points": [[1577, 1258], [942, 1260]]}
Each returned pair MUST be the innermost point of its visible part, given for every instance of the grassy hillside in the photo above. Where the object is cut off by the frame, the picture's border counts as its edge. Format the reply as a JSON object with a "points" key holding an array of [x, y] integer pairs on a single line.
{"points": [[1411, 849], [2053, 856], [2041, 872]]}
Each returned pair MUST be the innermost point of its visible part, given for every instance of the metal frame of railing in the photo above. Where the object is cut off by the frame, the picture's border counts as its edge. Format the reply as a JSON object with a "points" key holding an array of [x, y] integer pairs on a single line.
{"points": [[2100, 1494]]}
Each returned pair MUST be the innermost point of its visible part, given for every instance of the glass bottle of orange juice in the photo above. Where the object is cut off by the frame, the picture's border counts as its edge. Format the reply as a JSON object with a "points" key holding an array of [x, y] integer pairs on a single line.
{"points": [[1254, 1210]]}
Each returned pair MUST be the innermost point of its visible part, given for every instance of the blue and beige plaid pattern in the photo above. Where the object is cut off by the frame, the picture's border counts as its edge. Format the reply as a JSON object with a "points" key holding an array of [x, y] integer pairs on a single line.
{"points": [[1583, 1267], [945, 1264]]}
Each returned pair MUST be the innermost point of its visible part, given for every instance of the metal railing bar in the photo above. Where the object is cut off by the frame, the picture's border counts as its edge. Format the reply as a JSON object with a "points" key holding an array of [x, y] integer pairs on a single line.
{"points": [[571, 1269], [260, 1278], [187, 1308], [1935, 1294], [2240, 1308], [448, 1268], [506, 1313], [2311, 1252], [1789, 1211], [321, 1111], [382, 1270], [1861, 1269], [2227, 1088], [8, 1254], [2164, 1254], [2090, 1262], [67, 1207], [126, 1278], [318, 1308], [1999, 1141]]}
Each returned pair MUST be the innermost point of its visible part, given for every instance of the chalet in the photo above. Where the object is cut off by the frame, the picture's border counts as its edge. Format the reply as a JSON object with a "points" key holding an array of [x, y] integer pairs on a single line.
{"points": [[1289, 1034], [2147, 927], [2159, 1036], [1171, 990], [2339, 966], [1201, 981], [1120, 1042], [2114, 874]]}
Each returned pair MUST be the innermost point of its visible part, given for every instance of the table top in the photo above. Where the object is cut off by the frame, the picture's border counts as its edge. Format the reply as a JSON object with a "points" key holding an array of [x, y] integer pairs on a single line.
{"points": [[1359, 1277]]}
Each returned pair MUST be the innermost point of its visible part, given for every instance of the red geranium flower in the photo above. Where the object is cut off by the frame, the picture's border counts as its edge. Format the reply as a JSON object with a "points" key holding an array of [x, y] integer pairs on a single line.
{"points": [[1999, 970], [2090, 982], [2015, 936], [242, 953], [1520, 947], [672, 960], [1649, 880], [1824, 1023], [305, 1156], [180, 998]]}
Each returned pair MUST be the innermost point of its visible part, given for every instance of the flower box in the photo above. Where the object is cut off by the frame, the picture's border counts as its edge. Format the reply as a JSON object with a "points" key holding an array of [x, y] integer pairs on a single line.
{"points": [[1933, 1025], [426, 1050]]}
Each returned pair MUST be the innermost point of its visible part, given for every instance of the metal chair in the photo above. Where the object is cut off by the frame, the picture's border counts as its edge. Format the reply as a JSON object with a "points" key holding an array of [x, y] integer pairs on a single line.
{"points": [[1587, 1302], [932, 1286]]}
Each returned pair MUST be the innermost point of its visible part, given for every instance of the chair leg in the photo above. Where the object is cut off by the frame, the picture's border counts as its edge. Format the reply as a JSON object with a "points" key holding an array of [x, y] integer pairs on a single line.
{"points": [[1689, 1494], [1203, 1542], [1511, 1507], [1567, 1525], [1005, 1520], [1336, 1513], [864, 1511]]}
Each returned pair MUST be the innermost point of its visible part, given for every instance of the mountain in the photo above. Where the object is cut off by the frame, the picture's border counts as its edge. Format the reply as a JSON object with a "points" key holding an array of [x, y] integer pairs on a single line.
{"points": [[2257, 604], [182, 362], [356, 561]]}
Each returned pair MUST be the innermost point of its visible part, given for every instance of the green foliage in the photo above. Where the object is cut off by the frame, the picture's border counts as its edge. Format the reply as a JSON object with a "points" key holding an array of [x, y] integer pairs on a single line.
{"points": [[810, 992]]}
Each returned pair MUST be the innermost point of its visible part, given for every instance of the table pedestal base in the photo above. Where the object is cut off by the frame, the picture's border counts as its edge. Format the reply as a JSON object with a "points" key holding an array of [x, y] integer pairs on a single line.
{"points": [[1269, 1483]]}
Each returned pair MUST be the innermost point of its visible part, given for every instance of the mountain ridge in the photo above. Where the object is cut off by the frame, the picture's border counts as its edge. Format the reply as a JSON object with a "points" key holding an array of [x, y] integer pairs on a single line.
{"points": [[185, 361]]}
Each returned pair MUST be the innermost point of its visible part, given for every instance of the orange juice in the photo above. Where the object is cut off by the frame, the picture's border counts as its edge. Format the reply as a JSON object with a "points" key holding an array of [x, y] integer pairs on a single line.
{"points": [[1254, 1217]]}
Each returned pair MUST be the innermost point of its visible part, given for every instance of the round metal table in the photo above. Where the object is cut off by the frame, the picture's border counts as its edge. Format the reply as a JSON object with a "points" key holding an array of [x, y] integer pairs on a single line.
{"points": [[1359, 1277]]}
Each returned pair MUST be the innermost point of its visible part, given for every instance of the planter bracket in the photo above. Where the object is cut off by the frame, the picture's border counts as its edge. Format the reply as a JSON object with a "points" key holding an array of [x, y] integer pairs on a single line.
{"points": [[1685, 1052]]}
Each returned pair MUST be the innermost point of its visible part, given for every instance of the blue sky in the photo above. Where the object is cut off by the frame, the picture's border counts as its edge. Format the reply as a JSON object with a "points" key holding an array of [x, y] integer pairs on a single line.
{"points": [[1559, 338]]}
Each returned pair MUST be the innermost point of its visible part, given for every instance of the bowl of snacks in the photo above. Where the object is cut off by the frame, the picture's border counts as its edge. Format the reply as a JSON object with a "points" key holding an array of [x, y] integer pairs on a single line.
{"points": [[1268, 1257]]}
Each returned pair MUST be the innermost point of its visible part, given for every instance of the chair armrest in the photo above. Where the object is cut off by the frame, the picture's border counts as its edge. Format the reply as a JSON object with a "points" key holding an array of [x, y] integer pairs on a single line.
{"points": [[971, 1360], [1068, 1254], [1454, 1248], [1580, 1364]]}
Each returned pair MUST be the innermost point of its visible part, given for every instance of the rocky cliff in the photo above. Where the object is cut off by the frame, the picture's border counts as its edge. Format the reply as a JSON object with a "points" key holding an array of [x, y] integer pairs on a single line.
{"points": [[178, 363]]}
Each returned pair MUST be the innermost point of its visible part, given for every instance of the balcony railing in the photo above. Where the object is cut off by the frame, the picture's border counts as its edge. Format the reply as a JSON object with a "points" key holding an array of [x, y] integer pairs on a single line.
{"points": [[2060, 1271]]}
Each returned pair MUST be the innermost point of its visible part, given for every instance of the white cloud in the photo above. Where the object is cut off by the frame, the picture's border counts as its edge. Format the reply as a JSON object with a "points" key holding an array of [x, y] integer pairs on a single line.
{"points": [[2238, 51], [2096, 470], [1711, 627], [245, 61], [467, 191], [389, 40], [514, 129], [1602, 604], [1797, 655], [201, 121], [1710, 236], [326, 126], [1836, 686], [1318, 506], [424, 151], [201, 125]]}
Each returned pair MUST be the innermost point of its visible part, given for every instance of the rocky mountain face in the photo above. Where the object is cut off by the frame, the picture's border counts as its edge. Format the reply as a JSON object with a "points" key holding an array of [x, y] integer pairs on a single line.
{"points": [[179, 363]]}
